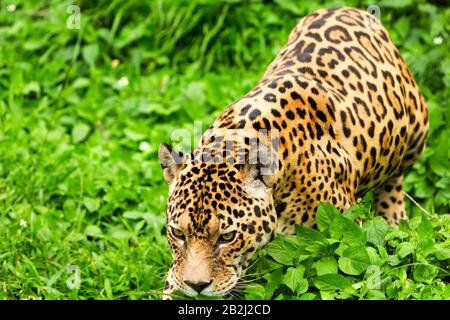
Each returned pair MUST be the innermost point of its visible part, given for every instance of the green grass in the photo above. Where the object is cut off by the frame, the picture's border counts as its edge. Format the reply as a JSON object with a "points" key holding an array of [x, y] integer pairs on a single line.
{"points": [[80, 183]]}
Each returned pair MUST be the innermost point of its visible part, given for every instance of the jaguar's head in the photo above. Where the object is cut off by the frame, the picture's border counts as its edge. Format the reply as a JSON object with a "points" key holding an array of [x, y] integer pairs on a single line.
{"points": [[218, 215]]}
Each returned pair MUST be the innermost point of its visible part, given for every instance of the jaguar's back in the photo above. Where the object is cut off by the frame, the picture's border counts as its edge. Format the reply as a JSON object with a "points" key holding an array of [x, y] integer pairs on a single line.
{"points": [[342, 87], [349, 51]]}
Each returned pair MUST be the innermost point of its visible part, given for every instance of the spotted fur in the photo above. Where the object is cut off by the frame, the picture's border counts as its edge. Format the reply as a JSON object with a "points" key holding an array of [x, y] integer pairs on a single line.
{"points": [[349, 117]]}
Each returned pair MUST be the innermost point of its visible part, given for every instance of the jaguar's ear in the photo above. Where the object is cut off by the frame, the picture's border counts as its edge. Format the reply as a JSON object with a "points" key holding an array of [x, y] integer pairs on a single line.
{"points": [[171, 162], [261, 167]]}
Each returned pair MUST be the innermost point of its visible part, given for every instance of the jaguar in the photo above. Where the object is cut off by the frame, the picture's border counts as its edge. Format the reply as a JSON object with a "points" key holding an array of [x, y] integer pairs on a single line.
{"points": [[336, 114]]}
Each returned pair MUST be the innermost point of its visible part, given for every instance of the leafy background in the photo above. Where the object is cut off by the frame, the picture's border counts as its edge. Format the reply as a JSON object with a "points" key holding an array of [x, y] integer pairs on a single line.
{"points": [[82, 113]]}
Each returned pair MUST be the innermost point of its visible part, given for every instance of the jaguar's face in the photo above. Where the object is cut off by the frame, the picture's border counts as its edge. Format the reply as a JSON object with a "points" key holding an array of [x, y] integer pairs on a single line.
{"points": [[218, 215]]}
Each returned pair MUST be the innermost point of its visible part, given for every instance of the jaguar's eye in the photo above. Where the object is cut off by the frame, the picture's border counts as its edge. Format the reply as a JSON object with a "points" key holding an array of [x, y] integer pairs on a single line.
{"points": [[227, 237], [177, 233]]}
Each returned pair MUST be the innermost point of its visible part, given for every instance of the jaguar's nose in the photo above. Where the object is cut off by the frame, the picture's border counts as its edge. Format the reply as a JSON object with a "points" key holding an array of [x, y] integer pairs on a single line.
{"points": [[198, 286]]}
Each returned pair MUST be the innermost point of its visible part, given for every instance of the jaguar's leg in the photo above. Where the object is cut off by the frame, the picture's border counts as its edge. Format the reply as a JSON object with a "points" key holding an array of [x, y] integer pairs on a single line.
{"points": [[389, 200], [301, 208], [169, 288]]}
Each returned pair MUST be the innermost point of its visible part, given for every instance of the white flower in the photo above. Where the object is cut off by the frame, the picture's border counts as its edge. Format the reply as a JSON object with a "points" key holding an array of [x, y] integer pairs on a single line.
{"points": [[23, 223], [144, 146], [11, 7], [122, 82], [438, 40]]}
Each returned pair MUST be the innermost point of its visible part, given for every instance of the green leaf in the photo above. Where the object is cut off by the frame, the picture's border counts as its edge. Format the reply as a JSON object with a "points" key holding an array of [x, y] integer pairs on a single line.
{"points": [[93, 231], [302, 286], [307, 296], [90, 53], [441, 253], [196, 96], [108, 290], [424, 273], [393, 233], [32, 86], [440, 162], [81, 83], [281, 251], [92, 204], [402, 26], [326, 265], [327, 295], [356, 211], [425, 229], [325, 214], [396, 4], [375, 259], [119, 233], [332, 282], [133, 215], [134, 134], [79, 132], [255, 291], [383, 253], [354, 260], [404, 249], [393, 260], [436, 115], [423, 189], [273, 282], [375, 295], [425, 247], [308, 234], [447, 292], [347, 231], [290, 6], [293, 279], [375, 230]]}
